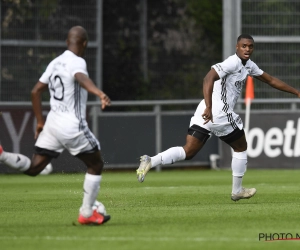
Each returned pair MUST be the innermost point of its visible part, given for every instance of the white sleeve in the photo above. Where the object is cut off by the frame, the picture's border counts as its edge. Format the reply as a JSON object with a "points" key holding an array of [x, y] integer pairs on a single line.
{"points": [[226, 67], [255, 70], [46, 75], [78, 66]]}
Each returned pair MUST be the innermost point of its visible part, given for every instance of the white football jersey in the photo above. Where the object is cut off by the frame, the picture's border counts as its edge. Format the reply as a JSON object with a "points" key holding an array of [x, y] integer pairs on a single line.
{"points": [[66, 126], [68, 98], [233, 75]]}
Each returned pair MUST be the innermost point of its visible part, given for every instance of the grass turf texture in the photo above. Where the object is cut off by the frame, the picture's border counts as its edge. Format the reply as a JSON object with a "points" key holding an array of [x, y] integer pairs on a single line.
{"points": [[170, 210]]}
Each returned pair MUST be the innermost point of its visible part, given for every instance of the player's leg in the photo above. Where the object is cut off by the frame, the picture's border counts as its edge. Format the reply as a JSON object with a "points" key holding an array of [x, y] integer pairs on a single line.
{"points": [[91, 187], [40, 159], [13, 160], [22, 163], [86, 147], [195, 140], [38, 163], [238, 143]]}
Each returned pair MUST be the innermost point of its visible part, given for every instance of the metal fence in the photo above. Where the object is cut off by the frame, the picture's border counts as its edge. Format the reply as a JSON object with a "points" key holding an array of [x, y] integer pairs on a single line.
{"points": [[148, 44], [275, 27], [33, 33]]}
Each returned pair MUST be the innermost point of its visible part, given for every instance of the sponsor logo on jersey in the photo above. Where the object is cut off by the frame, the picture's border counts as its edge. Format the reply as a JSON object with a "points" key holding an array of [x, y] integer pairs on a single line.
{"points": [[239, 84]]}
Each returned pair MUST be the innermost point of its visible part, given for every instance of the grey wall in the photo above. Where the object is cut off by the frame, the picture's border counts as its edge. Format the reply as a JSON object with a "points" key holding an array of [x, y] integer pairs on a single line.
{"points": [[123, 139]]}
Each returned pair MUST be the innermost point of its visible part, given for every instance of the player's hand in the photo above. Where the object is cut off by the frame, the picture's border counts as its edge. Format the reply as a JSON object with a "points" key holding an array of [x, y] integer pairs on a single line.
{"points": [[38, 130], [105, 101], [207, 116]]}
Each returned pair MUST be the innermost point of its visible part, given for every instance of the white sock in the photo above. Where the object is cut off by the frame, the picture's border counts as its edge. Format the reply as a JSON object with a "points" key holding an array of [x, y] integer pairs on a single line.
{"points": [[237, 184], [239, 167], [169, 156], [91, 187], [15, 161]]}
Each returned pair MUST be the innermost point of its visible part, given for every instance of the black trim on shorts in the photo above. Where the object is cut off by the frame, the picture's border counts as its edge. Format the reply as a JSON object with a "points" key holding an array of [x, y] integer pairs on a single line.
{"points": [[198, 132], [93, 150], [233, 136], [43, 151]]}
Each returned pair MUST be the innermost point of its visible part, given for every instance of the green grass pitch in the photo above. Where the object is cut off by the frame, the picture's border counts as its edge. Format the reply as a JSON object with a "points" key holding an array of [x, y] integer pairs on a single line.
{"points": [[172, 209]]}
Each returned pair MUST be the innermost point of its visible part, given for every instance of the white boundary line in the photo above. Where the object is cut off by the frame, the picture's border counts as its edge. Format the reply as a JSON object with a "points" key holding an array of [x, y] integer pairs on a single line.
{"points": [[153, 239]]}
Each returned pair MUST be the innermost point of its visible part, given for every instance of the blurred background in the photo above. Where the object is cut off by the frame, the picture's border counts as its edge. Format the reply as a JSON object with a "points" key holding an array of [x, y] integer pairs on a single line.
{"points": [[150, 57], [138, 49]]}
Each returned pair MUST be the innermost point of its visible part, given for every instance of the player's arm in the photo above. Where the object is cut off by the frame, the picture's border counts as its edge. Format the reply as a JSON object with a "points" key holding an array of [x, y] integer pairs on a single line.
{"points": [[36, 94], [277, 84], [208, 85], [89, 85]]}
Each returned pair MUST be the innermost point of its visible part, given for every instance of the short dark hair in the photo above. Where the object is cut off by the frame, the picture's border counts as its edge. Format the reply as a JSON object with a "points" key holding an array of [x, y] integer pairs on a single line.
{"points": [[246, 36]]}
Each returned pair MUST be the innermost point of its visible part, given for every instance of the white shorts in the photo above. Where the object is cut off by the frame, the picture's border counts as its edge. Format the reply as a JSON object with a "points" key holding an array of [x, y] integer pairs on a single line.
{"points": [[57, 138], [224, 123]]}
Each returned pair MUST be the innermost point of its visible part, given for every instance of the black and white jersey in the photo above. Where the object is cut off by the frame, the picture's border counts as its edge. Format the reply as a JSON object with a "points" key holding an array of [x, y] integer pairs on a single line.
{"points": [[233, 75], [226, 91]]}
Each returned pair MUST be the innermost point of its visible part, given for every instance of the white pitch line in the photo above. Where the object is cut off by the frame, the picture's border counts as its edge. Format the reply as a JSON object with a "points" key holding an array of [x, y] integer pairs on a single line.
{"points": [[170, 187], [162, 239]]}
